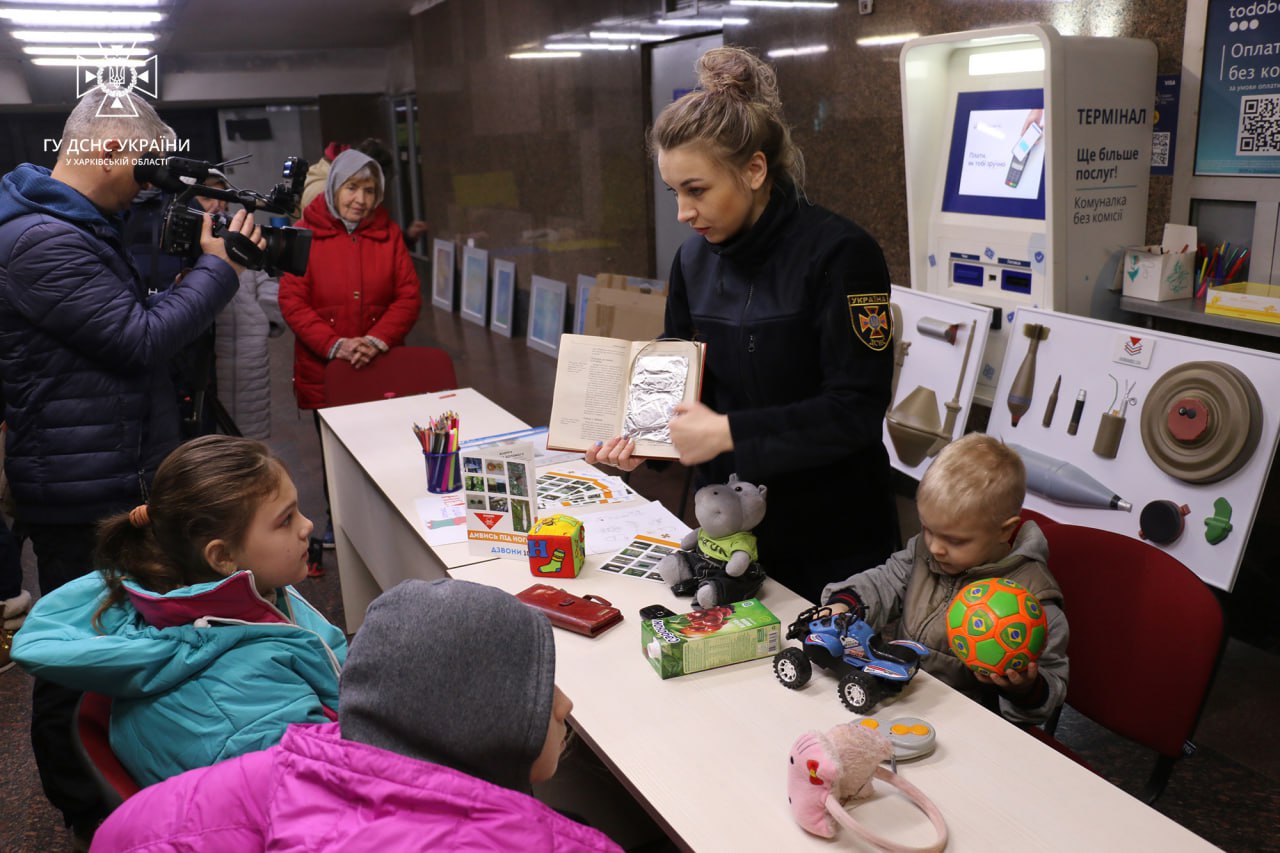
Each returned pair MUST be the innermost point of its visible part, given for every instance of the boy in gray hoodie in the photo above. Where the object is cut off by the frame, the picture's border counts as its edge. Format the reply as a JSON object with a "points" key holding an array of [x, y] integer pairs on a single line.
{"points": [[969, 503]]}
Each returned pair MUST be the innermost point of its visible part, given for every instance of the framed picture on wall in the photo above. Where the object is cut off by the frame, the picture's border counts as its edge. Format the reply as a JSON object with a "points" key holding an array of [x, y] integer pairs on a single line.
{"points": [[504, 297], [475, 285], [585, 283], [546, 314], [442, 274]]}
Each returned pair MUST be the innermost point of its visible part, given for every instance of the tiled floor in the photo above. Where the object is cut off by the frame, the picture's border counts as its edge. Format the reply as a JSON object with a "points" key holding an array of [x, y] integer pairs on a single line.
{"points": [[1226, 792]]}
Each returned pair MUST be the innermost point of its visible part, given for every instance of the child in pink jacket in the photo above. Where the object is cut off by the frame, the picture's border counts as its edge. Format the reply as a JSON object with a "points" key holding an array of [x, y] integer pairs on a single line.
{"points": [[448, 712]]}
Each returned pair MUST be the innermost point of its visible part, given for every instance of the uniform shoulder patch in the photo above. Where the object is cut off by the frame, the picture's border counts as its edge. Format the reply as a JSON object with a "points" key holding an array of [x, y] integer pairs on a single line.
{"points": [[872, 323]]}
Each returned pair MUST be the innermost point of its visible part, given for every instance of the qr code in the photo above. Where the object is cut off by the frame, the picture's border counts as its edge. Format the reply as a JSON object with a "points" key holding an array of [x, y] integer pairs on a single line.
{"points": [[1259, 125], [1160, 148]]}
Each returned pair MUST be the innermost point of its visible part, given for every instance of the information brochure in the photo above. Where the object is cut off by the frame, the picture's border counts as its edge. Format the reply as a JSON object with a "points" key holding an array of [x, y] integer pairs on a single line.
{"points": [[499, 482]]}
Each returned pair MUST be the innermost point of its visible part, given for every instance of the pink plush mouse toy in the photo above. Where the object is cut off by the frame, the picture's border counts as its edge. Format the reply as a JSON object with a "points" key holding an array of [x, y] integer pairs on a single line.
{"points": [[826, 770]]}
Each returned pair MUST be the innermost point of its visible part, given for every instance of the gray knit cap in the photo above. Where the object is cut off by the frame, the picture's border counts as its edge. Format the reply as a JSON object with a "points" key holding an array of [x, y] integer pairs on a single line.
{"points": [[343, 167], [455, 673]]}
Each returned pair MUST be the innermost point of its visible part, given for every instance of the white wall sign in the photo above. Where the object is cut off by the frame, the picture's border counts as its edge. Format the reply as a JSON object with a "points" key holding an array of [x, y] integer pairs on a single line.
{"points": [[931, 371], [1083, 351]]}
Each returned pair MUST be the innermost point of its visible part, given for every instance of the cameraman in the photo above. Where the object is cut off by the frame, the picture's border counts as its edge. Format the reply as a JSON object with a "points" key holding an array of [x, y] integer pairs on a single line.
{"points": [[84, 356], [192, 367]]}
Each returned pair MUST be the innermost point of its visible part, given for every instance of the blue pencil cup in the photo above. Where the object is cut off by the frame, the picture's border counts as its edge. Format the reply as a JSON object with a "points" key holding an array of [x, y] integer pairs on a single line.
{"points": [[444, 472]]}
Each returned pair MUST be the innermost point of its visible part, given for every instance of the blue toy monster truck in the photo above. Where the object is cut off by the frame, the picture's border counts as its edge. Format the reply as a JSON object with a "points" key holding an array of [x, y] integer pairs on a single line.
{"points": [[869, 667]]}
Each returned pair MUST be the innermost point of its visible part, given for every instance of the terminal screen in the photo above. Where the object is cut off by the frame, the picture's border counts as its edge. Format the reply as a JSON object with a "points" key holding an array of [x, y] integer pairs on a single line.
{"points": [[996, 162]]}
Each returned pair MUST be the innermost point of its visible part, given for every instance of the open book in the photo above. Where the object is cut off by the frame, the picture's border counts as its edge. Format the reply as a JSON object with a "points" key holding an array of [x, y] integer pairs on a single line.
{"points": [[607, 387]]}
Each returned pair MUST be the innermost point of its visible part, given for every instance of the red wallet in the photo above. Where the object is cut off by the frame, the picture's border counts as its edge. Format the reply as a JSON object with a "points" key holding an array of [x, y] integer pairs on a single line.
{"points": [[588, 614]]}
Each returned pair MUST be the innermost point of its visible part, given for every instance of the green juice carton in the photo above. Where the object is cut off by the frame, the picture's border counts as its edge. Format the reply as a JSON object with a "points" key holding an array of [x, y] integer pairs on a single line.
{"points": [[703, 639]]}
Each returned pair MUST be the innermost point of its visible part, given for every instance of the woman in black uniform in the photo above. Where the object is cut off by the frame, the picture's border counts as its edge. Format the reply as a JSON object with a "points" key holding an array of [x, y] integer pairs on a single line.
{"points": [[792, 302]]}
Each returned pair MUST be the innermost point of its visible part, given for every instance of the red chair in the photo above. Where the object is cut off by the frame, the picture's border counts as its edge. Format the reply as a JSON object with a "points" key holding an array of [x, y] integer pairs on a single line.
{"points": [[92, 723], [1146, 638], [401, 372]]}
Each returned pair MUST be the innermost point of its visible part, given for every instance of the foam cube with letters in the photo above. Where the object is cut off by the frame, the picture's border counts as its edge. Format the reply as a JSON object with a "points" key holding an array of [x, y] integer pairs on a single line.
{"points": [[556, 547]]}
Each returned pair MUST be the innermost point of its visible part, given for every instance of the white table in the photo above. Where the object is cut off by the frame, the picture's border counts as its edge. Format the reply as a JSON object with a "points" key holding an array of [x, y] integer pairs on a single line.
{"points": [[376, 473], [706, 753]]}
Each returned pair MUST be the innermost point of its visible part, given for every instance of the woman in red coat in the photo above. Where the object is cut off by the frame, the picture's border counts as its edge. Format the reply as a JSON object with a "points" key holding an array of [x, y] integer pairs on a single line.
{"points": [[360, 294]]}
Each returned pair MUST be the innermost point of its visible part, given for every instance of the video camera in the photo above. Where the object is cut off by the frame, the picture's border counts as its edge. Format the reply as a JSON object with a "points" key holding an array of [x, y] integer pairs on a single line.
{"points": [[287, 249]]}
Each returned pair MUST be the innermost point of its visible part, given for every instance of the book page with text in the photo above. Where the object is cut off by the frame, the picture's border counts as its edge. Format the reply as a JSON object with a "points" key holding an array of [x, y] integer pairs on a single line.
{"points": [[591, 381]]}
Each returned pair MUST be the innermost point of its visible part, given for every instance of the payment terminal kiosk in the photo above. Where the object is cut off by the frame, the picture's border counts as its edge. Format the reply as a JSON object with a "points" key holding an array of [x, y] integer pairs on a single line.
{"points": [[1027, 156]]}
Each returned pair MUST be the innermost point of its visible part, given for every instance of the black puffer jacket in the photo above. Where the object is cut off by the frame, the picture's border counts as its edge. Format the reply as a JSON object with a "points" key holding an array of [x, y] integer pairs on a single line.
{"points": [[84, 355], [794, 312]]}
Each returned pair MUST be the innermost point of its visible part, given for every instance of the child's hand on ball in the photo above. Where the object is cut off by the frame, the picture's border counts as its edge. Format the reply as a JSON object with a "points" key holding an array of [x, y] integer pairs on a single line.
{"points": [[1013, 681]]}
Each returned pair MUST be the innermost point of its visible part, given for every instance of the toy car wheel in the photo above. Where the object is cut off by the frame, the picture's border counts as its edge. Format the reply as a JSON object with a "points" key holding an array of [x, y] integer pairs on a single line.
{"points": [[858, 692], [792, 668]]}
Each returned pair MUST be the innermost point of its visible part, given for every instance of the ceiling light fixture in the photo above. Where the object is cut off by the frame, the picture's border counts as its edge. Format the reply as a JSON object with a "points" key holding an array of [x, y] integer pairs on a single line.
{"points": [[545, 54], [43, 50], [785, 4], [575, 45], [703, 22], [881, 41], [620, 36], [80, 36], [80, 18], [72, 60], [98, 3], [798, 51]]}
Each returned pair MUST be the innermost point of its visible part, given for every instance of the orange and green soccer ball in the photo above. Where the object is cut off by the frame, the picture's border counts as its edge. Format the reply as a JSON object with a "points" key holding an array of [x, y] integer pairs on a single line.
{"points": [[996, 625]]}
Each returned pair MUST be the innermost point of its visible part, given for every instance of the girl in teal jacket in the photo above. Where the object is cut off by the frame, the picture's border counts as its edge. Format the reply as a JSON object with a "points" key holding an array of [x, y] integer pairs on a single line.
{"points": [[191, 624]]}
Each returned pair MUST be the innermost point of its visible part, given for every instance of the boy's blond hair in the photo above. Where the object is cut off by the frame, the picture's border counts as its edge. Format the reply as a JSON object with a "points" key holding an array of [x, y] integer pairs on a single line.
{"points": [[975, 475]]}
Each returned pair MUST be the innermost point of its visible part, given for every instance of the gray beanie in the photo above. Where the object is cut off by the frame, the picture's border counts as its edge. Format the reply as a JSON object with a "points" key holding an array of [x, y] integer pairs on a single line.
{"points": [[343, 167], [455, 673]]}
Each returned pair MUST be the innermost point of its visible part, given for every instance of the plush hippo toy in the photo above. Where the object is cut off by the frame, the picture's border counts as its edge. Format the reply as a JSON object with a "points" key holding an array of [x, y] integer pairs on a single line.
{"points": [[717, 561]]}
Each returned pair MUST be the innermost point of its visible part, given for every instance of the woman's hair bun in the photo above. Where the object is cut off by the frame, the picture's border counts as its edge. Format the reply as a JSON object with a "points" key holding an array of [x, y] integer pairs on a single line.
{"points": [[737, 73], [735, 110]]}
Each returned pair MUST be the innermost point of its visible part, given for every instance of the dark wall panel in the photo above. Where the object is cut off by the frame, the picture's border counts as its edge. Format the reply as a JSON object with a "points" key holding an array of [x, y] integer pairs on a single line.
{"points": [[544, 161], [350, 119]]}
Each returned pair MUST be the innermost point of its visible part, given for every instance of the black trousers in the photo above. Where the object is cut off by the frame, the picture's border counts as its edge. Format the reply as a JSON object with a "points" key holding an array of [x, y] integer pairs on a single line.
{"points": [[64, 552], [10, 563]]}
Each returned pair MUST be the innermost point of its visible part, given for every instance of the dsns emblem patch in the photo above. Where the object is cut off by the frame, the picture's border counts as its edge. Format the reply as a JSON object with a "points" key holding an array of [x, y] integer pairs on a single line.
{"points": [[872, 323]]}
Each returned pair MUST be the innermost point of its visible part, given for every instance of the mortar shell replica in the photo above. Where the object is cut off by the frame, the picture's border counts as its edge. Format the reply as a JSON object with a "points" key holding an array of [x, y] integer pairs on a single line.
{"points": [[1064, 483], [1024, 382]]}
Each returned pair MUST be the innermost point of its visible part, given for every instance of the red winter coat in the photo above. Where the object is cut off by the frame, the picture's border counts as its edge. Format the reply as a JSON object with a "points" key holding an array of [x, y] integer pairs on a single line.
{"points": [[362, 283]]}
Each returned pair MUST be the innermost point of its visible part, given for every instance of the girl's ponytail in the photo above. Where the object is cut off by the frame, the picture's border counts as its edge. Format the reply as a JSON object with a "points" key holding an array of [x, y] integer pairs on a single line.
{"points": [[126, 548]]}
